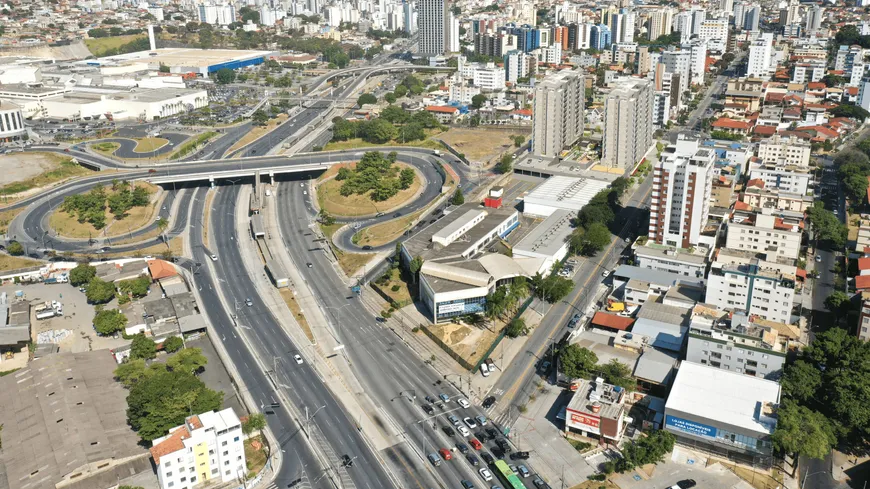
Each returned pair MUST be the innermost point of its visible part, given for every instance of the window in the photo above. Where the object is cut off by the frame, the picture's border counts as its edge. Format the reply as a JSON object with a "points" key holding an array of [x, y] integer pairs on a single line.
{"points": [[228, 472], [169, 474], [214, 471], [170, 484], [169, 464], [183, 479], [226, 453], [224, 443], [236, 439]]}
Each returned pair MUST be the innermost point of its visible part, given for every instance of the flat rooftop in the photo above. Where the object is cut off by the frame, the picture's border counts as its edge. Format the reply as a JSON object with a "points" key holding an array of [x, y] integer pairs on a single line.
{"points": [[188, 57], [590, 393], [549, 236], [421, 243], [724, 396], [566, 192]]}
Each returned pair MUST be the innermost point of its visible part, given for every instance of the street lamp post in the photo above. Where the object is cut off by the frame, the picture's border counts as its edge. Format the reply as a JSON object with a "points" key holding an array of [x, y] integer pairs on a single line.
{"points": [[807, 476]]}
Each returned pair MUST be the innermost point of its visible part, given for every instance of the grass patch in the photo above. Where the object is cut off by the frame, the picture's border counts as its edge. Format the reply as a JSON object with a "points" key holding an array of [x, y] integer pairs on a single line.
{"points": [[6, 218], [7, 372], [106, 148], [209, 197], [329, 197], [147, 145], [8, 262], [256, 459], [481, 144], [359, 143], [580, 446], [103, 44], [68, 225], [257, 132], [383, 233], [64, 168], [176, 247], [395, 287], [349, 262], [192, 144], [293, 304]]}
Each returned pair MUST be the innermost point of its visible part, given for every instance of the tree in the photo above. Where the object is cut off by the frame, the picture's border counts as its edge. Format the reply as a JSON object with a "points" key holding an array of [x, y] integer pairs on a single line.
{"points": [[411, 132], [260, 117], [406, 178], [596, 237], [478, 100], [801, 380], [366, 98], [162, 224], [650, 449], [802, 431], [505, 164], [826, 225], [618, 374], [325, 217], [99, 291], [190, 360], [137, 287], [15, 248], [852, 111], [516, 328], [380, 131], [838, 303], [109, 321], [458, 198], [390, 97], [225, 76], [519, 140], [142, 348], [255, 422], [414, 266], [577, 362], [173, 344], [82, 274], [131, 371], [164, 399]]}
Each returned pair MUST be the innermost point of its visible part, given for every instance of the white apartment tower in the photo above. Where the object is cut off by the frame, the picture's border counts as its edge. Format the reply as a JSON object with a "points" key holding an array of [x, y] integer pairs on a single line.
{"points": [[660, 23], [432, 26], [558, 112], [628, 123], [207, 447], [682, 183], [759, 56], [814, 18]]}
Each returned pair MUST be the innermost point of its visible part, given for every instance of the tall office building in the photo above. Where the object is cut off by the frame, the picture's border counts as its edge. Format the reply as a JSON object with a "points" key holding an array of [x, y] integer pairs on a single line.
{"points": [[760, 52], [814, 18], [558, 112], [432, 27], [628, 123], [789, 14], [452, 32], [683, 181], [739, 14], [599, 37], [409, 17], [751, 18]]}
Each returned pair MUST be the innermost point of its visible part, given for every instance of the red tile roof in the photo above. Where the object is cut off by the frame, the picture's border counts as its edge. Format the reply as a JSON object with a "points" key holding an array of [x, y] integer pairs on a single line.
{"points": [[442, 109], [161, 269], [764, 130], [727, 123], [862, 282], [863, 263], [852, 90], [742, 206], [775, 97], [816, 86], [173, 443], [755, 182], [611, 321]]}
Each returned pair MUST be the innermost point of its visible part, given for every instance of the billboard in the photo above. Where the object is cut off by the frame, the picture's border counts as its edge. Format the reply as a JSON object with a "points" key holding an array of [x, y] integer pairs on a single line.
{"points": [[583, 419], [690, 427]]}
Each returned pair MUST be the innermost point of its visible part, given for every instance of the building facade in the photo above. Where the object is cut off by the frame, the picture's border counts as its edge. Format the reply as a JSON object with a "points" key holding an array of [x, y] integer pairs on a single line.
{"points": [[628, 123], [558, 114], [432, 25], [738, 345], [790, 150], [753, 289], [762, 232], [11, 122]]}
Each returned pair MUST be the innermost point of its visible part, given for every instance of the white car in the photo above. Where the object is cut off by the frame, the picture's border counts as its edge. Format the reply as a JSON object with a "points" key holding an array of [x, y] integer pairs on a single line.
{"points": [[213, 257], [470, 422], [463, 430], [463, 402], [298, 359], [486, 474]]}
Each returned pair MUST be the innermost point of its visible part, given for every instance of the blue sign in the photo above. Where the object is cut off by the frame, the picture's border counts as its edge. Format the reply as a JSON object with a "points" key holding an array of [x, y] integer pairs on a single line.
{"points": [[690, 427]]}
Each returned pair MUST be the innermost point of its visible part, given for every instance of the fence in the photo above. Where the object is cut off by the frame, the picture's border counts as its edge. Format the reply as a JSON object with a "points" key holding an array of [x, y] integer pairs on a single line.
{"points": [[500, 337]]}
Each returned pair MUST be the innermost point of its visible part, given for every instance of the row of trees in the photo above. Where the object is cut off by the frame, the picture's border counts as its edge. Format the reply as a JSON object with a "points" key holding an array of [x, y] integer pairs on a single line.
{"points": [[377, 174], [592, 233]]}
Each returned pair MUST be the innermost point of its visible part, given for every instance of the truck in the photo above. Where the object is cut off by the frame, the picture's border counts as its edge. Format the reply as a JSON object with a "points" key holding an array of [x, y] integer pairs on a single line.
{"points": [[48, 309], [46, 314], [59, 279]]}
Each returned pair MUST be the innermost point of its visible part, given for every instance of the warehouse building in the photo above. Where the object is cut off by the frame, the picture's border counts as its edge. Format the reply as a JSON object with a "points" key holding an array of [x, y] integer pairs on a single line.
{"points": [[548, 241], [560, 192], [185, 60], [723, 412]]}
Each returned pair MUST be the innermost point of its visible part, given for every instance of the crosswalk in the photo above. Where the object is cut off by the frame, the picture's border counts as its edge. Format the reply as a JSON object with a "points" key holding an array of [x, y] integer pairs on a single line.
{"points": [[299, 483]]}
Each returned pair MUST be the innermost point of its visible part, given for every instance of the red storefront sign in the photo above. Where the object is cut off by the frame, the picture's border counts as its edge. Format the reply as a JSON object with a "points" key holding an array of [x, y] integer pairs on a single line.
{"points": [[577, 418]]}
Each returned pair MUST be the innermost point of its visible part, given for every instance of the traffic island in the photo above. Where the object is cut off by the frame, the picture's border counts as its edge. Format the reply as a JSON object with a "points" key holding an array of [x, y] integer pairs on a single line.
{"points": [[90, 215]]}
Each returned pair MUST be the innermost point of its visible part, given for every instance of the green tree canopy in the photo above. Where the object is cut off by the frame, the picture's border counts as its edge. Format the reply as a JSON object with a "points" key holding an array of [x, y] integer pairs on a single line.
{"points": [[478, 100], [142, 348], [577, 362], [595, 239], [164, 399], [516, 328], [82, 274], [826, 225], [109, 321], [190, 360], [458, 198], [366, 98], [173, 344], [505, 164], [800, 430], [255, 422], [131, 371], [618, 374], [15, 248], [650, 449], [99, 292], [225, 76], [137, 287], [838, 303]]}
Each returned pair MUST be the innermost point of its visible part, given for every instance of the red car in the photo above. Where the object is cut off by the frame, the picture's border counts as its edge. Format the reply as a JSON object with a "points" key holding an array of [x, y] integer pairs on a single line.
{"points": [[476, 444], [445, 453]]}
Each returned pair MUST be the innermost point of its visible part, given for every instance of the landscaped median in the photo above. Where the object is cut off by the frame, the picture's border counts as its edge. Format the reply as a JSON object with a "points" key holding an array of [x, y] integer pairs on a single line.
{"points": [[113, 210], [192, 145]]}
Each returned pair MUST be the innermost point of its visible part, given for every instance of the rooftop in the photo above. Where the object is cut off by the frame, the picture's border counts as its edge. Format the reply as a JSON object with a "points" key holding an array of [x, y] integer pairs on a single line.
{"points": [[421, 243], [566, 192], [549, 236], [592, 394], [628, 272], [728, 397]]}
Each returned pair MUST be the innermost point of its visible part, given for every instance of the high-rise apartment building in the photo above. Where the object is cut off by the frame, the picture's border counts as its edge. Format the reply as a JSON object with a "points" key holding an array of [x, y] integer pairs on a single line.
{"points": [[760, 52], [757, 290], [216, 14], [697, 60], [751, 18], [409, 17], [682, 183], [516, 65], [790, 151], [451, 43], [715, 33], [660, 23], [680, 63], [628, 123], [599, 37], [558, 112], [815, 14], [432, 27]]}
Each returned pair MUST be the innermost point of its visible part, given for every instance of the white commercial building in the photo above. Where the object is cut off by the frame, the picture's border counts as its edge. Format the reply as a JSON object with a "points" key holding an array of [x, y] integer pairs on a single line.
{"points": [[752, 288], [682, 184], [628, 123], [11, 122], [207, 447], [715, 33], [143, 104], [548, 241], [788, 150], [760, 55], [671, 260], [561, 192], [558, 113], [762, 232], [489, 77], [722, 411]]}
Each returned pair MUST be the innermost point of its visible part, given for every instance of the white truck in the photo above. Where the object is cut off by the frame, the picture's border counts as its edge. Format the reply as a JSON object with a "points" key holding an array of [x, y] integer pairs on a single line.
{"points": [[48, 310]]}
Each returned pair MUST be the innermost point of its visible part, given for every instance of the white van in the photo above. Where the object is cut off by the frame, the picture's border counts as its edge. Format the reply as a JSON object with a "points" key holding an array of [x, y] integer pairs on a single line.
{"points": [[484, 369]]}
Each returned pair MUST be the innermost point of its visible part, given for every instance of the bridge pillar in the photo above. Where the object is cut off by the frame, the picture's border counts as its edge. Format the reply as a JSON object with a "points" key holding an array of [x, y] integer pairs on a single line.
{"points": [[272, 177], [211, 182]]}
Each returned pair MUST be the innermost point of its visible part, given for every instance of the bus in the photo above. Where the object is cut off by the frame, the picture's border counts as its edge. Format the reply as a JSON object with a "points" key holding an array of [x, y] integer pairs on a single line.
{"points": [[507, 476]]}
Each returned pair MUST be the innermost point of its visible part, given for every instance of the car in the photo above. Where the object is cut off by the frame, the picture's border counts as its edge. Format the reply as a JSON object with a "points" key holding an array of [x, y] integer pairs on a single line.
{"points": [[472, 459], [366, 248], [249, 302], [453, 419], [684, 484], [476, 444], [480, 435], [213, 257], [448, 431], [818, 258], [505, 447], [523, 471], [514, 469], [470, 422], [481, 420], [467, 484], [487, 458], [492, 432], [346, 461], [440, 405], [539, 483], [463, 430], [434, 459], [488, 402], [430, 399], [298, 359], [520, 456], [605, 273], [445, 454], [427, 409], [309, 265], [444, 397], [462, 447], [463, 402], [486, 474]]}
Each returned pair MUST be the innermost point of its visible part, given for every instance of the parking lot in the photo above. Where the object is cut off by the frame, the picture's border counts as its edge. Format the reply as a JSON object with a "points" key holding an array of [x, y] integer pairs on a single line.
{"points": [[683, 464]]}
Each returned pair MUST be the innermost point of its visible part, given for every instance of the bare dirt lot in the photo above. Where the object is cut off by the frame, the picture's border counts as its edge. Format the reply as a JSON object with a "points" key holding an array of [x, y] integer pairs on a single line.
{"points": [[481, 145], [20, 172], [468, 342]]}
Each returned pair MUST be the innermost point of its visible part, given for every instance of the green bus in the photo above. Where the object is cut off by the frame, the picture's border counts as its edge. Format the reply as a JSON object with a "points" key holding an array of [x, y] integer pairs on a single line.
{"points": [[507, 475]]}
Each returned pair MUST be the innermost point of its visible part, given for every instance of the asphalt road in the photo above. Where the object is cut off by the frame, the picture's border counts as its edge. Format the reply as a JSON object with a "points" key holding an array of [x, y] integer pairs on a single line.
{"points": [[127, 147]]}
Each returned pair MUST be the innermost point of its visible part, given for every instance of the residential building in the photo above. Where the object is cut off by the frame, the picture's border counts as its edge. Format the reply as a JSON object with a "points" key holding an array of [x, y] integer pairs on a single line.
{"points": [[409, 17], [751, 18], [671, 260], [752, 288], [600, 37], [495, 45], [207, 447], [814, 17], [759, 197], [678, 63], [445, 114], [432, 24], [489, 77], [682, 182], [697, 60], [517, 64], [597, 409], [723, 412], [808, 71], [661, 21], [760, 55], [743, 344], [451, 31], [558, 112], [778, 236], [628, 123], [864, 92], [782, 176], [864, 318], [715, 33], [789, 150]]}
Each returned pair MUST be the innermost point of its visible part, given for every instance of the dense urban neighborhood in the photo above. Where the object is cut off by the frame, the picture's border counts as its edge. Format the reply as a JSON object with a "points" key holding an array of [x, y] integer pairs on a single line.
{"points": [[498, 244]]}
